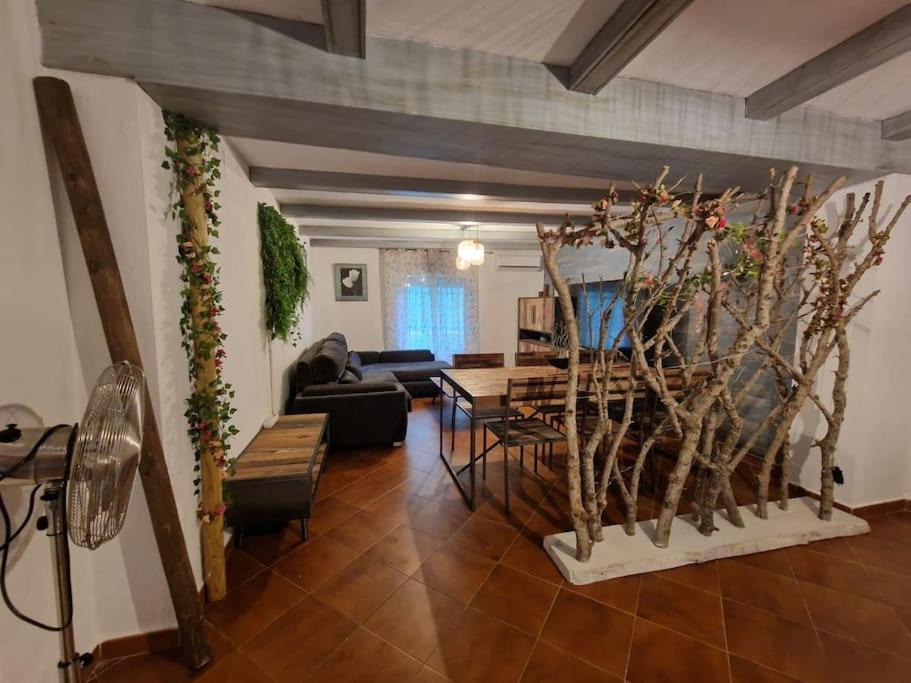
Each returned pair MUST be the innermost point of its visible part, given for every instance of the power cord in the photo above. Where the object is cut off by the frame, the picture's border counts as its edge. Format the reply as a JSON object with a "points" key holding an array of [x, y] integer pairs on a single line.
{"points": [[28, 515], [9, 536]]}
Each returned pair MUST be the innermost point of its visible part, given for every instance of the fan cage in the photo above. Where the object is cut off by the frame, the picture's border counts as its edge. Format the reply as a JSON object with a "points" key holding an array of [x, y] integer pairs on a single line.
{"points": [[105, 456]]}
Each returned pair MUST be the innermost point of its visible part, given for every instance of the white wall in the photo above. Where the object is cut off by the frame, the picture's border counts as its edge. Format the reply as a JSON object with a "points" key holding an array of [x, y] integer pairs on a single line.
{"points": [[874, 450], [362, 321], [53, 346], [38, 362], [499, 305]]}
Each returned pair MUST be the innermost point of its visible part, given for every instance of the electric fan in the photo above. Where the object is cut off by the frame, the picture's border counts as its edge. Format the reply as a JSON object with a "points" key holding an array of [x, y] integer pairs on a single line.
{"points": [[86, 472]]}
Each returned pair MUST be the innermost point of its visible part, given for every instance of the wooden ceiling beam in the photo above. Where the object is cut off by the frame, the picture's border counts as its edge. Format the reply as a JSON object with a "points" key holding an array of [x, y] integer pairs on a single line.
{"points": [[364, 183], [456, 216], [880, 42], [627, 32], [416, 100], [345, 25], [897, 127], [418, 233]]}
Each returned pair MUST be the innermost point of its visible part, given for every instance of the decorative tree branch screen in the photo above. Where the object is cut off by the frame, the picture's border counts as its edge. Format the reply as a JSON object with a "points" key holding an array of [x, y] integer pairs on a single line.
{"points": [[740, 288]]}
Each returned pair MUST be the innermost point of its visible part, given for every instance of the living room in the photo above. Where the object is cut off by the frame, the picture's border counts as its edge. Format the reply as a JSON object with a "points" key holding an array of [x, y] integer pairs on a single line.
{"points": [[463, 340]]}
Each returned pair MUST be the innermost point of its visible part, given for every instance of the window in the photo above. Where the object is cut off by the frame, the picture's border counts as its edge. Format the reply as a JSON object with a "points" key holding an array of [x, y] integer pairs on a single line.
{"points": [[428, 304], [434, 318]]}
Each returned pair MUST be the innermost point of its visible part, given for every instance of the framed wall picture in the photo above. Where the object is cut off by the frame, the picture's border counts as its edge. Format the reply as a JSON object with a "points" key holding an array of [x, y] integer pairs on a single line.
{"points": [[350, 281]]}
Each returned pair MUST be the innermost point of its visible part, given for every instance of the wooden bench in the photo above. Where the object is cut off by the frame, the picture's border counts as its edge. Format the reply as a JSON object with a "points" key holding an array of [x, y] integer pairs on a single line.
{"points": [[276, 477]]}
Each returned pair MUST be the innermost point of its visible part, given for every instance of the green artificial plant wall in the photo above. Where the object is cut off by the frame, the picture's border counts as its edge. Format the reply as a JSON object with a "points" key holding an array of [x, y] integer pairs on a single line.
{"points": [[284, 271]]}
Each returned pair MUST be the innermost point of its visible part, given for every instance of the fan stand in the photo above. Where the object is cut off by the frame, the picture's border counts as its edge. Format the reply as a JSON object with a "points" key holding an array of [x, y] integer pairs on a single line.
{"points": [[71, 663]]}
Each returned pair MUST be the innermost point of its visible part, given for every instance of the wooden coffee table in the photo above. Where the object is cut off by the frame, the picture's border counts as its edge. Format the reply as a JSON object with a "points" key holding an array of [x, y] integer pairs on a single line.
{"points": [[277, 475]]}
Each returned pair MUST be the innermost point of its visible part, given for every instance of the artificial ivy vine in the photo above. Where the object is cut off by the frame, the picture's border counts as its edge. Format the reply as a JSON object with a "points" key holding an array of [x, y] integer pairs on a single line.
{"points": [[192, 157], [285, 273]]}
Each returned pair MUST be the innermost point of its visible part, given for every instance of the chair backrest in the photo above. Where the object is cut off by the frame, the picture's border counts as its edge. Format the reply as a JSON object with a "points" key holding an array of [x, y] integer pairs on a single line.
{"points": [[548, 390], [536, 358], [677, 384], [472, 361], [532, 358]]}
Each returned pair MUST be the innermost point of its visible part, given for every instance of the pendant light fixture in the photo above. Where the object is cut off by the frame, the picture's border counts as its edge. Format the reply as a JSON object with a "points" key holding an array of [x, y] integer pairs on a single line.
{"points": [[470, 251]]}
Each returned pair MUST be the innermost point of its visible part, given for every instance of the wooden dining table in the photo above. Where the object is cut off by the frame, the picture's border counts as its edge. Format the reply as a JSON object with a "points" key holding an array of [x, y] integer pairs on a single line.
{"points": [[485, 389]]}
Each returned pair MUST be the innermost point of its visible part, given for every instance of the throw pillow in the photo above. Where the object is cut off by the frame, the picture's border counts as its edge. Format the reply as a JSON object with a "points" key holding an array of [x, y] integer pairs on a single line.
{"points": [[354, 370]]}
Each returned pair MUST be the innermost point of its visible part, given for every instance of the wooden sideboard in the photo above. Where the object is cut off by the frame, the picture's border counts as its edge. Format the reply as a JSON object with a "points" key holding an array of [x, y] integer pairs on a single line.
{"points": [[537, 315], [276, 476]]}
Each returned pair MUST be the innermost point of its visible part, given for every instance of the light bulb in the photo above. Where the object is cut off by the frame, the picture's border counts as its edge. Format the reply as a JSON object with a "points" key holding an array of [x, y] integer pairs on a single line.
{"points": [[477, 258], [462, 264], [465, 249], [471, 251]]}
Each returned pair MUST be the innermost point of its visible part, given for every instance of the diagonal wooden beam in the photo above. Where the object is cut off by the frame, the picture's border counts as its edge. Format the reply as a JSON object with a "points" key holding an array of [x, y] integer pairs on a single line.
{"points": [[875, 45], [897, 127], [627, 32], [367, 213], [364, 183], [345, 24]]}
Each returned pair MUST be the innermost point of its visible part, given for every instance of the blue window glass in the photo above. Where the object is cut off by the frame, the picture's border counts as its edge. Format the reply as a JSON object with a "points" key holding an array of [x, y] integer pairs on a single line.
{"points": [[434, 317]]}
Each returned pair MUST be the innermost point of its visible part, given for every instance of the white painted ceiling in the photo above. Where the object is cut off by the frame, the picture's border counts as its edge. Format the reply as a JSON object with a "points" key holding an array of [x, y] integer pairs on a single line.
{"points": [[737, 46], [726, 46], [550, 31], [879, 94], [298, 10]]}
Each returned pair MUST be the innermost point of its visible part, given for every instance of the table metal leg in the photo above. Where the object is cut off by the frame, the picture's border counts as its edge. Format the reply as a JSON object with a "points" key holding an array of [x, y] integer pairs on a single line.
{"points": [[484, 456], [505, 477], [455, 400], [441, 416], [471, 457], [467, 492]]}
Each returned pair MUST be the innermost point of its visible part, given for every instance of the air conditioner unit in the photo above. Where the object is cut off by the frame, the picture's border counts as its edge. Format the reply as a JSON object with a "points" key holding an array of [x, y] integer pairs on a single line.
{"points": [[519, 260]]}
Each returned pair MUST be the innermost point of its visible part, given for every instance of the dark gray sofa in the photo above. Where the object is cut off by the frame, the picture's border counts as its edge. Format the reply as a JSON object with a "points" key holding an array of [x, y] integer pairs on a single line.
{"points": [[367, 402], [414, 369]]}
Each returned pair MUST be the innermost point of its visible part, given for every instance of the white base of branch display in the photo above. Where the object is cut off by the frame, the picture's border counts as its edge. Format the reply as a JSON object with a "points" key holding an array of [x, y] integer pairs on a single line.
{"points": [[621, 555]]}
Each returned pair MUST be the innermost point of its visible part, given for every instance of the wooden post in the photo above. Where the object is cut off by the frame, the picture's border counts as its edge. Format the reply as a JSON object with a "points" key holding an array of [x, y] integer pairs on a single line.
{"points": [[197, 232], [61, 123]]}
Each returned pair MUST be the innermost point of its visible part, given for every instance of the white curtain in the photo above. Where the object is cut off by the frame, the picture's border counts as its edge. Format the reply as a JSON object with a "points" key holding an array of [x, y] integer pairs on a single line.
{"points": [[428, 303]]}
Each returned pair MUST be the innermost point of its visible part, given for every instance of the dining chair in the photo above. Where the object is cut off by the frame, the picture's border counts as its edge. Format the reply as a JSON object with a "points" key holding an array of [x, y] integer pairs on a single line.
{"points": [[515, 429], [587, 420], [475, 361], [472, 361], [532, 358]]}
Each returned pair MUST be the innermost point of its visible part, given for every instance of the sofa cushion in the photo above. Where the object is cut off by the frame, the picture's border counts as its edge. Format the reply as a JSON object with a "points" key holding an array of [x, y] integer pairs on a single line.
{"points": [[408, 372], [368, 357], [328, 363], [348, 377], [373, 376], [303, 374], [336, 389], [411, 356]]}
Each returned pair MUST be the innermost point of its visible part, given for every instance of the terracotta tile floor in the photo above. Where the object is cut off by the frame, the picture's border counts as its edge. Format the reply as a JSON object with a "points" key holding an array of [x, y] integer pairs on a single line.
{"points": [[400, 582]]}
